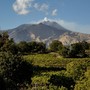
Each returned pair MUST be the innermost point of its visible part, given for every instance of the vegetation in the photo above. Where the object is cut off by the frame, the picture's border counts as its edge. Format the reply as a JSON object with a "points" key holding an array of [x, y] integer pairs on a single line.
{"points": [[74, 50], [31, 47], [56, 46], [62, 81], [49, 65], [31, 66], [15, 70]]}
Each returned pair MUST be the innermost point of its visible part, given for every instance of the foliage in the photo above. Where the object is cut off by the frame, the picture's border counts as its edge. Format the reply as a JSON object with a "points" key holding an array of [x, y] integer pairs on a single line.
{"points": [[77, 50], [75, 67], [7, 44], [31, 47], [74, 51], [3, 38], [55, 46], [62, 81], [76, 70], [65, 52], [51, 60], [51, 87], [10, 46], [85, 45], [15, 70], [50, 71], [37, 47], [22, 47], [85, 83], [46, 60]]}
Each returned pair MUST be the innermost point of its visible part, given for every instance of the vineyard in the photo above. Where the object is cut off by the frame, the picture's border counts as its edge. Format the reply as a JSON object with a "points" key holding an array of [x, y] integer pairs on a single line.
{"points": [[47, 65]]}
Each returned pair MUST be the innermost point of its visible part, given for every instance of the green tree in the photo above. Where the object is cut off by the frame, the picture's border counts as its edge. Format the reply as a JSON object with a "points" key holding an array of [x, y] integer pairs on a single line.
{"points": [[55, 46], [65, 52], [16, 71], [22, 47], [77, 50], [41, 47], [7, 44], [36, 47], [3, 38], [10, 46], [1, 41], [32, 46], [85, 45], [74, 50]]}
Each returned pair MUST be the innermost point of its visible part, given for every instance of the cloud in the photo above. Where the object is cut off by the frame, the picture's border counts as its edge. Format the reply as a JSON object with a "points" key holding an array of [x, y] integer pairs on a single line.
{"points": [[21, 6], [43, 7], [54, 12]]}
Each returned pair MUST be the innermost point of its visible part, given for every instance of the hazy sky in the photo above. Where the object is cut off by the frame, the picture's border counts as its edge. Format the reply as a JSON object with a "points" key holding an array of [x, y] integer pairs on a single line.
{"points": [[72, 14]]}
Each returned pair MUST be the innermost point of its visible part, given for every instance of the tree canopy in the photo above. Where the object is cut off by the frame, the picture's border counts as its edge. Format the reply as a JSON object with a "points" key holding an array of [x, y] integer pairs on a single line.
{"points": [[15, 70], [55, 45]]}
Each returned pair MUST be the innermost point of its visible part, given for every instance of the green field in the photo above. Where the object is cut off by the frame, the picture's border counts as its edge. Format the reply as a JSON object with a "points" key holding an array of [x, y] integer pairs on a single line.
{"points": [[50, 60], [47, 65]]}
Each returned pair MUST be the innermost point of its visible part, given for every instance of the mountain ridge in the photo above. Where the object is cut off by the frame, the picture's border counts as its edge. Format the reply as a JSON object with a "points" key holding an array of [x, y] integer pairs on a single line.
{"points": [[46, 31]]}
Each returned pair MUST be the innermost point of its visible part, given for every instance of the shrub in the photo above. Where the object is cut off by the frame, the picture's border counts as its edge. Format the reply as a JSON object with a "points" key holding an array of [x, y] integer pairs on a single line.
{"points": [[15, 70]]}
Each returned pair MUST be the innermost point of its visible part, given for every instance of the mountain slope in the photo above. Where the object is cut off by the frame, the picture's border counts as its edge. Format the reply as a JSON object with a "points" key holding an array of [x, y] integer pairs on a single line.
{"points": [[46, 31], [55, 25], [31, 32]]}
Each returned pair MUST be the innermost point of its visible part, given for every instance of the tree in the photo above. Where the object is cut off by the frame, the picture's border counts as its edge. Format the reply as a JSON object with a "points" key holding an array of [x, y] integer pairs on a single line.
{"points": [[7, 44], [10, 46], [36, 47], [74, 50], [32, 46], [56, 46], [16, 71], [85, 45], [22, 47], [3, 38], [1, 41], [41, 47], [77, 50], [65, 52]]}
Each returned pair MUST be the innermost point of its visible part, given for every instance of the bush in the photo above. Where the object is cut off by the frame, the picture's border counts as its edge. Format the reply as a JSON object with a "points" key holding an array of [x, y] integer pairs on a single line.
{"points": [[15, 70]]}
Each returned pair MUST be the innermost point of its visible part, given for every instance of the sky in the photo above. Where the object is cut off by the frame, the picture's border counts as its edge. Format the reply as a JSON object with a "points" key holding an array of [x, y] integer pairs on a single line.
{"points": [[71, 14]]}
